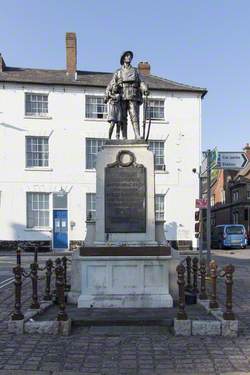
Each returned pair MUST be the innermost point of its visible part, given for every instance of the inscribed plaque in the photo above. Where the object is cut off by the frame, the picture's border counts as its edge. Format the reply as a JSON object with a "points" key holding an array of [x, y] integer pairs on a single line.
{"points": [[125, 199]]}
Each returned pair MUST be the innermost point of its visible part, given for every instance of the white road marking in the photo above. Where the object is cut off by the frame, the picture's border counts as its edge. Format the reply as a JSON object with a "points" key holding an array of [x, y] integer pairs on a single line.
{"points": [[4, 281], [7, 283]]}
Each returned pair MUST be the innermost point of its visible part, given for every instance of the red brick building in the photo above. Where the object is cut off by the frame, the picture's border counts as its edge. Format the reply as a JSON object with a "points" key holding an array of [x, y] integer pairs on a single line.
{"points": [[230, 196]]}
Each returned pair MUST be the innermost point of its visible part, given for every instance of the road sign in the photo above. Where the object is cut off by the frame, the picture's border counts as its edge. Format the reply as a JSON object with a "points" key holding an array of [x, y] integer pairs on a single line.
{"points": [[214, 157], [201, 203], [232, 160], [213, 161]]}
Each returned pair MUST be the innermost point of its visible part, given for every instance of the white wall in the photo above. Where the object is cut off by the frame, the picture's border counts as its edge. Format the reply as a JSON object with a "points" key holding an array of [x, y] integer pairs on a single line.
{"points": [[67, 130]]}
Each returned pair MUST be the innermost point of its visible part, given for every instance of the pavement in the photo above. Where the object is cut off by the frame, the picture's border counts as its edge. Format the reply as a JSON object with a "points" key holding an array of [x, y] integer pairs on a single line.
{"points": [[134, 349]]}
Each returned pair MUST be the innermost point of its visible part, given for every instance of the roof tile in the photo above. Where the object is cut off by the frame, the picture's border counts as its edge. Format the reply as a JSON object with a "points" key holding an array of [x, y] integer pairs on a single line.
{"points": [[86, 78]]}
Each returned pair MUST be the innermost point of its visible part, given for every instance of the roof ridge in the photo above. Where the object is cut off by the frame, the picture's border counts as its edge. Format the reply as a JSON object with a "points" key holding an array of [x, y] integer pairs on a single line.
{"points": [[178, 83], [10, 68], [243, 172]]}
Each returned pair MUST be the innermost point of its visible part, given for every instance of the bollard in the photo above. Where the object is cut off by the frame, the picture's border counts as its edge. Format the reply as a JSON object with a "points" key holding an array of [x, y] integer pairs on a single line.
{"points": [[203, 272], [49, 266], [213, 304], [62, 315], [34, 278], [17, 314], [229, 314], [188, 287], [58, 262], [195, 275], [181, 314]]}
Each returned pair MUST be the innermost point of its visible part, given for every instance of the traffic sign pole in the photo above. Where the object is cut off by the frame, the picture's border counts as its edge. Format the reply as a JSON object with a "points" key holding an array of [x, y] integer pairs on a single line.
{"points": [[208, 206], [201, 218]]}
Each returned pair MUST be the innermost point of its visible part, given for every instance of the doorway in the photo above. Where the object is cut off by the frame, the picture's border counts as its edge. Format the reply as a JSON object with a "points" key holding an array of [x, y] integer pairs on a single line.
{"points": [[60, 221]]}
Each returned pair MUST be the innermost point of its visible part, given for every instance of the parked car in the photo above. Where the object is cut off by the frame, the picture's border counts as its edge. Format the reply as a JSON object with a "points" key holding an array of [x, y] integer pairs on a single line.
{"points": [[229, 236]]}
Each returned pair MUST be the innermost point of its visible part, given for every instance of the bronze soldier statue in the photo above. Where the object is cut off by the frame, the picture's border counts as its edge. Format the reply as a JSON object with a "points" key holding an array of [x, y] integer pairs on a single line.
{"points": [[113, 97], [132, 88]]}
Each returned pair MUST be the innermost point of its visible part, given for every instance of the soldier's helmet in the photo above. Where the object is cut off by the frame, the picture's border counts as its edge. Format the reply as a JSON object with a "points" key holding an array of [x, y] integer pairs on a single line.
{"points": [[123, 55]]}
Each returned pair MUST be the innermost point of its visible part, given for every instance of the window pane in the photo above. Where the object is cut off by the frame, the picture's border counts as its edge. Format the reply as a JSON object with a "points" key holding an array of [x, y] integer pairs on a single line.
{"points": [[159, 207], [91, 206], [95, 107], [36, 104], [157, 147], [37, 152], [37, 210], [155, 109], [59, 201], [93, 145]]}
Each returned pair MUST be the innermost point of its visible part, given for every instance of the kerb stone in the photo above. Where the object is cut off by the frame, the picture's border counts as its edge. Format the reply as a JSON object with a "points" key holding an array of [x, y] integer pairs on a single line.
{"points": [[206, 328], [47, 327], [16, 326], [182, 327], [229, 328]]}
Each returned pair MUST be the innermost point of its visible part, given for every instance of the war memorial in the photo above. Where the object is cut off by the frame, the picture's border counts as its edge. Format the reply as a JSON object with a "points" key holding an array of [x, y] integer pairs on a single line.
{"points": [[125, 260], [125, 265]]}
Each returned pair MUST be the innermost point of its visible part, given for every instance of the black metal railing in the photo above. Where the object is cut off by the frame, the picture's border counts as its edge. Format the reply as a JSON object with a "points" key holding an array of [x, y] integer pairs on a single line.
{"points": [[190, 270], [57, 270]]}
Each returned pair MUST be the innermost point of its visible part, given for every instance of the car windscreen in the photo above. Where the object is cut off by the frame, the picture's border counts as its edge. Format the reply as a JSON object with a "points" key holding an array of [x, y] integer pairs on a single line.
{"points": [[235, 230]]}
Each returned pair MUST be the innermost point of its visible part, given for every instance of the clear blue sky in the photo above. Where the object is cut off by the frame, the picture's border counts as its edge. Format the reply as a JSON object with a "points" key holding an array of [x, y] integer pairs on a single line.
{"points": [[202, 43]]}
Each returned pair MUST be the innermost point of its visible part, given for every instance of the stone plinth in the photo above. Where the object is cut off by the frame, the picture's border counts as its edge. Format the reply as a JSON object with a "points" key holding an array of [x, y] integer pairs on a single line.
{"points": [[121, 281]]}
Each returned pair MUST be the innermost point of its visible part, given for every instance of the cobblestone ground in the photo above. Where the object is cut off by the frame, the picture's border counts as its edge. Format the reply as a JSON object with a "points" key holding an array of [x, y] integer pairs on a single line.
{"points": [[132, 350]]}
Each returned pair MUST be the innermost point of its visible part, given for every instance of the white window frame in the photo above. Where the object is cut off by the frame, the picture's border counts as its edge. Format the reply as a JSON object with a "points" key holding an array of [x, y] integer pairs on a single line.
{"points": [[223, 196], [164, 109], [159, 207], [235, 217], [212, 200], [42, 152], [105, 114], [87, 167], [91, 206], [36, 114], [158, 167], [248, 194], [39, 209], [235, 195]]}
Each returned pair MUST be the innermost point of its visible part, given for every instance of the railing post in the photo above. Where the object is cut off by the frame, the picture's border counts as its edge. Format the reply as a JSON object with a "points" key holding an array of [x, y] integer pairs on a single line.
{"points": [[195, 275], [49, 266], [229, 314], [34, 277], [203, 272], [188, 287], [64, 262], [17, 270], [181, 283], [62, 315], [213, 304]]}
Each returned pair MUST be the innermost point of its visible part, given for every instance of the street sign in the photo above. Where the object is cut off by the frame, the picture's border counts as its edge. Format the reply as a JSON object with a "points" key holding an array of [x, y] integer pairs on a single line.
{"points": [[232, 160], [214, 157], [201, 203], [213, 161]]}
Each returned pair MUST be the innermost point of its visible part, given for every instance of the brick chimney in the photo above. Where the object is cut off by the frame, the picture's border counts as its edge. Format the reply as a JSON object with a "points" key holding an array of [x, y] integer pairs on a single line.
{"points": [[246, 149], [2, 63], [71, 53], [144, 68]]}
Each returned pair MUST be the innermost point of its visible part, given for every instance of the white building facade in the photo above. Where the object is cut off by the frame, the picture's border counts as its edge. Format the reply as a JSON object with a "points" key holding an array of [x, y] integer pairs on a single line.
{"points": [[52, 124]]}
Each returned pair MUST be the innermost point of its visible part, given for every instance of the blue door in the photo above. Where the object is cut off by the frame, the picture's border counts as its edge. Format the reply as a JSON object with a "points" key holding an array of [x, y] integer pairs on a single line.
{"points": [[60, 229]]}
